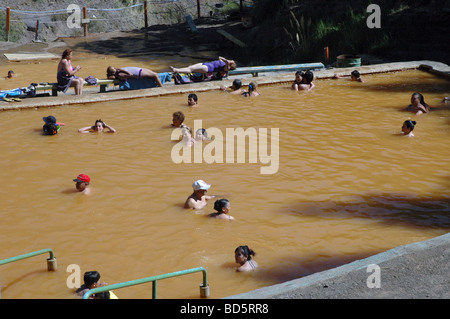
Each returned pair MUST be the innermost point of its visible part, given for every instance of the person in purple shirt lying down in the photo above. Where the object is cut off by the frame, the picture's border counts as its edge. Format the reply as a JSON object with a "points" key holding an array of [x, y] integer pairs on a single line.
{"points": [[220, 65]]}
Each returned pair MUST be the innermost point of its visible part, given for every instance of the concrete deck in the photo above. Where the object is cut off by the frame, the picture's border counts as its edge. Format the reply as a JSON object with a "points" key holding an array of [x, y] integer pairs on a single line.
{"points": [[415, 271], [92, 95]]}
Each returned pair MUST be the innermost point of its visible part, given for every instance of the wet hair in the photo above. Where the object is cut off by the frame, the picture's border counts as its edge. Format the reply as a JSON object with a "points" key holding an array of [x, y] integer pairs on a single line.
{"points": [[410, 124], [66, 53], [356, 74], [50, 129], [421, 99], [193, 96], [237, 84], [246, 251], [301, 73], [308, 77], [178, 116], [91, 277], [252, 86], [99, 121], [220, 203]]}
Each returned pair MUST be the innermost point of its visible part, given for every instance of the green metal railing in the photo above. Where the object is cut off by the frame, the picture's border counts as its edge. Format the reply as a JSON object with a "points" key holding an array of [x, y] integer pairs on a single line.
{"points": [[204, 288], [51, 261]]}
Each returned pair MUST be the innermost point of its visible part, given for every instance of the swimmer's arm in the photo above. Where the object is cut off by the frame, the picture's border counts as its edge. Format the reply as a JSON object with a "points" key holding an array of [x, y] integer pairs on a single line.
{"points": [[86, 129], [110, 128], [311, 86]]}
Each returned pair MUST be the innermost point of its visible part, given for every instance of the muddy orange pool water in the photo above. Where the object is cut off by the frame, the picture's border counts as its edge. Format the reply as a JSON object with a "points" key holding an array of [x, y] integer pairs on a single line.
{"points": [[347, 187]]}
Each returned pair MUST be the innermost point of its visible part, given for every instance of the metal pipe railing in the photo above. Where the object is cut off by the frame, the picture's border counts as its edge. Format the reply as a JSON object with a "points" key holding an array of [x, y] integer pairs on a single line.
{"points": [[51, 261], [204, 288]]}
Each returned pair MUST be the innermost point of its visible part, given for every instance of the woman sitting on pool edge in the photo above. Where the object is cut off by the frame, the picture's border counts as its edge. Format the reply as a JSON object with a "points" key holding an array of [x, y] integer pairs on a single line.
{"points": [[132, 72], [99, 126], [222, 207], [243, 257]]}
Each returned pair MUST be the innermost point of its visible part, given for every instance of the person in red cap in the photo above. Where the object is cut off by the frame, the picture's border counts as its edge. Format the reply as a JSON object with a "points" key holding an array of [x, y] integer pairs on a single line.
{"points": [[82, 183]]}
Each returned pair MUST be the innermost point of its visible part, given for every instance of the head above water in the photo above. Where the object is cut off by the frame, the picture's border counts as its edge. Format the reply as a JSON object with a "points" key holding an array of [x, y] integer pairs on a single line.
{"points": [[91, 278], [244, 251], [408, 126], [99, 125], [221, 204], [355, 75], [237, 84]]}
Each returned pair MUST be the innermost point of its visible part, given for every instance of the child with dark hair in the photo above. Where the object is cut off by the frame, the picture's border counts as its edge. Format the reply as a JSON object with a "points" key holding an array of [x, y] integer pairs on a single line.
{"points": [[354, 76], [192, 99], [222, 207], [51, 127], [91, 281], [408, 127], [235, 88], [303, 81], [243, 257]]}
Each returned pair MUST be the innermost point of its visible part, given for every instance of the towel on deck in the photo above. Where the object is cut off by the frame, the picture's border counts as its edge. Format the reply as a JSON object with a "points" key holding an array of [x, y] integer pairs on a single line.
{"points": [[144, 83]]}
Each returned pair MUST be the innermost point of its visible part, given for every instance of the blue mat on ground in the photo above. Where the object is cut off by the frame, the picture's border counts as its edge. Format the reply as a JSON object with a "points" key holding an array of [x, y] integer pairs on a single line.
{"points": [[10, 93], [144, 83]]}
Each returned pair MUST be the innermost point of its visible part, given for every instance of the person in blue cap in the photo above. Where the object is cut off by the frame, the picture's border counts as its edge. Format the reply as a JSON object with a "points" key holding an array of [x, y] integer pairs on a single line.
{"points": [[51, 127]]}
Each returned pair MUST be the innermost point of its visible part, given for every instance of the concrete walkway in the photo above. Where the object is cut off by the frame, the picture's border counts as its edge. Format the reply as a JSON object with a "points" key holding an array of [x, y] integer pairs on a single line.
{"points": [[92, 95], [415, 271]]}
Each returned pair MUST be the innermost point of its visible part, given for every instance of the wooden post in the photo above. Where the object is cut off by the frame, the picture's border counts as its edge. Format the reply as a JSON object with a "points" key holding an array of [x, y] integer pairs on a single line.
{"points": [[85, 25], [145, 14], [241, 7], [37, 31], [326, 55], [198, 8], [8, 21]]}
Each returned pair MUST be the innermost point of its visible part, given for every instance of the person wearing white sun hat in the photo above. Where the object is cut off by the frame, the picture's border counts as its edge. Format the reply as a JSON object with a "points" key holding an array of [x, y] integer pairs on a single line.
{"points": [[197, 200]]}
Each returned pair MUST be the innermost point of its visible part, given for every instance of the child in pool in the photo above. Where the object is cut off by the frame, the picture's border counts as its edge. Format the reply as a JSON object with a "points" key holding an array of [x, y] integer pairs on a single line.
{"points": [[222, 207], [408, 127], [252, 90], [192, 100], [303, 81], [235, 88], [243, 257]]}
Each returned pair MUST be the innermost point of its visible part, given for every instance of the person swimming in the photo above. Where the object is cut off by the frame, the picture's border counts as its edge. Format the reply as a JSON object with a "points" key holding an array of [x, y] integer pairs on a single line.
{"points": [[99, 126], [252, 90], [408, 127], [243, 257], [222, 207], [418, 105]]}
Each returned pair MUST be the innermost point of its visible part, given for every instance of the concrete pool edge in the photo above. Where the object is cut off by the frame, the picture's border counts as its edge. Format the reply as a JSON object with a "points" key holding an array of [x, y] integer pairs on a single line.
{"points": [[417, 270], [92, 95]]}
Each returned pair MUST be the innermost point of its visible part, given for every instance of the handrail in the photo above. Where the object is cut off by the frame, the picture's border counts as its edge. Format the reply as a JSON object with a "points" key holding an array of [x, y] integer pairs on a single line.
{"points": [[51, 261], [32, 254], [204, 288]]}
